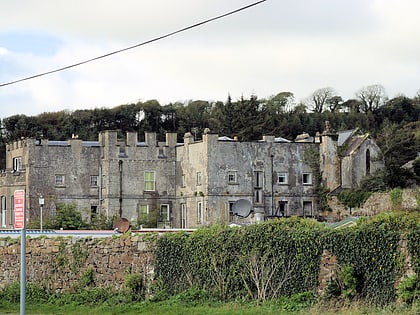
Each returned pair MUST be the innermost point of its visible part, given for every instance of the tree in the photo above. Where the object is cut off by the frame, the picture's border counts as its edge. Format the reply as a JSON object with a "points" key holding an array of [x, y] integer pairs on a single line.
{"points": [[399, 145], [334, 103], [66, 218], [371, 96], [319, 98], [248, 122], [280, 103]]}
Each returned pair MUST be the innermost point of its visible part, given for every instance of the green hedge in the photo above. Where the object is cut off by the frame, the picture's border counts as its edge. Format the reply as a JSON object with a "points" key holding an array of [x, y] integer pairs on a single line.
{"points": [[282, 257], [261, 261]]}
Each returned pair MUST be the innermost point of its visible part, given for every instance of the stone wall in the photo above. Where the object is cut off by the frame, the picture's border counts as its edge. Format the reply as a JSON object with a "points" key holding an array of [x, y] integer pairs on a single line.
{"points": [[62, 263], [376, 203]]}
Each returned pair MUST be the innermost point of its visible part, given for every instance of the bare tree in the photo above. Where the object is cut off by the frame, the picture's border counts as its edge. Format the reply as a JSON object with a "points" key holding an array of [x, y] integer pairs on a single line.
{"points": [[319, 98], [372, 97], [265, 275]]}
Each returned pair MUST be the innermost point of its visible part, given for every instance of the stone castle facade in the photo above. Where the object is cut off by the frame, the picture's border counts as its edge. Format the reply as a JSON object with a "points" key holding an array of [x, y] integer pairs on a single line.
{"points": [[182, 185]]}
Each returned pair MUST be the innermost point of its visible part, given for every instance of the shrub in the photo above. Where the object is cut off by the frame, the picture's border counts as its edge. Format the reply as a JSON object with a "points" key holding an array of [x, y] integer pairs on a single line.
{"points": [[135, 286], [396, 196], [408, 290]]}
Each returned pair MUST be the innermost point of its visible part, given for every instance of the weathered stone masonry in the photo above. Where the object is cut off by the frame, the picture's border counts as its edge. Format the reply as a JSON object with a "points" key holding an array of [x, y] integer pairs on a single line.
{"points": [[60, 263]]}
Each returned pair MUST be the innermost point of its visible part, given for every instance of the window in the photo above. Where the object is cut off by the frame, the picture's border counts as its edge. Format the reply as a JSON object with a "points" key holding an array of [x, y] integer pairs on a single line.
{"points": [[183, 181], [200, 214], [149, 181], [307, 209], [122, 153], [258, 187], [307, 178], [282, 178], [258, 179], [367, 162], [144, 209], [93, 180], [161, 154], [3, 211], [164, 213], [232, 177], [282, 208], [12, 210], [93, 212], [17, 164], [230, 209], [183, 216], [198, 178], [59, 180]]}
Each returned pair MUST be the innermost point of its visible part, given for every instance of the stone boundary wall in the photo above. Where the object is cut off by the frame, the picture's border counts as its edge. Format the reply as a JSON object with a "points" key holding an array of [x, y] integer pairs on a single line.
{"points": [[62, 263]]}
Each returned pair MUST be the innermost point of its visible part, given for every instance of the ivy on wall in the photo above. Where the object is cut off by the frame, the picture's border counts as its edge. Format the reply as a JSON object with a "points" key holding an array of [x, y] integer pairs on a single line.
{"points": [[261, 261], [282, 257]]}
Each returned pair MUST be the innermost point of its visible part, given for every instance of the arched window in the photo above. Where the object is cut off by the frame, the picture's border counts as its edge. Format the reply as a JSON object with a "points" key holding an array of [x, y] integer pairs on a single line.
{"points": [[367, 162]]}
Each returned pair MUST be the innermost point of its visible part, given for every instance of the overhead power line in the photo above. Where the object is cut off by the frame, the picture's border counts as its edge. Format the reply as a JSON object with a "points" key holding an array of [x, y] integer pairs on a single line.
{"points": [[134, 46]]}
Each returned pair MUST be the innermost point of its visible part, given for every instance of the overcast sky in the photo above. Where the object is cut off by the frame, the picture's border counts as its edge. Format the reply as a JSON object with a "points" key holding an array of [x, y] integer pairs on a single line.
{"points": [[278, 45]]}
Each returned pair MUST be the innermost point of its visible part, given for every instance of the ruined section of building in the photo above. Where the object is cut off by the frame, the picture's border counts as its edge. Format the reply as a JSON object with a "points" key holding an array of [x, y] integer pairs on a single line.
{"points": [[190, 184]]}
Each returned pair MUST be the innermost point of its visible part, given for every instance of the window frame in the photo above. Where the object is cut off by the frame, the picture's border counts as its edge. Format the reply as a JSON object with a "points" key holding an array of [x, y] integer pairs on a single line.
{"points": [[3, 211], [141, 212], [200, 212], [234, 175], [284, 175], [168, 213], [308, 180], [147, 181], [94, 180], [199, 178], [17, 164], [60, 180], [183, 215]]}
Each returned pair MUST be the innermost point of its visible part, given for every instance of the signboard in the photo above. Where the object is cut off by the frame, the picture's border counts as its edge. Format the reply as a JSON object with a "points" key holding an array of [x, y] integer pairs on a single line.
{"points": [[19, 199]]}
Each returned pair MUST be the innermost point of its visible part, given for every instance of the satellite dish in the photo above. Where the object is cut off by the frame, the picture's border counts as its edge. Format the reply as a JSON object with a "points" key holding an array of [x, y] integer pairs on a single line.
{"points": [[242, 208], [121, 225]]}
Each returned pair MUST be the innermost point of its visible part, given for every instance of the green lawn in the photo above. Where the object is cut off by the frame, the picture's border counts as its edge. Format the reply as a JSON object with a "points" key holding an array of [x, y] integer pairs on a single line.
{"points": [[165, 308]]}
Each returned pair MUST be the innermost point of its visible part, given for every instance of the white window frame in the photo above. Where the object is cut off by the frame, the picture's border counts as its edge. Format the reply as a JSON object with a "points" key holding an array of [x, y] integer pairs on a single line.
{"points": [[149, 181], [232, 177], [3, 211], [60, 180], [199, 178], [285, 178], [183, 216], [17, 164], [94, 180], [307, 178], [200, 212], [162, 214], [183, 181]]}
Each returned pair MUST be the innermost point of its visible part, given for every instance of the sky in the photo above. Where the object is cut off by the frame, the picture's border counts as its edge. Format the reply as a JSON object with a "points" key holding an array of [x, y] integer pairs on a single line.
{"points": [[297, 46]]}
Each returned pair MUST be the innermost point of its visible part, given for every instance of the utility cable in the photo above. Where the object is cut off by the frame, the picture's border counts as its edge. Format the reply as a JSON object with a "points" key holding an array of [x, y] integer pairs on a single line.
{"points": [[135, 46]]}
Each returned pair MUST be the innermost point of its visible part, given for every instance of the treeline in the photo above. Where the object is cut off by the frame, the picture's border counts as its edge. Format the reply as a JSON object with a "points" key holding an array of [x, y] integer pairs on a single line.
{"points": [[394, 123]]}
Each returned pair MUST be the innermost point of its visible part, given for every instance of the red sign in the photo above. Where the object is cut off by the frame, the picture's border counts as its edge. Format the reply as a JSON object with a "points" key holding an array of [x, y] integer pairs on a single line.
{"points": [[19, 199]]}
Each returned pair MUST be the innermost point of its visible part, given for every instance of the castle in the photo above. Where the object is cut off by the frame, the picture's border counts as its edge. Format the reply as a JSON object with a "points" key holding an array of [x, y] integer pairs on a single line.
{"points": [[183, 185]]}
